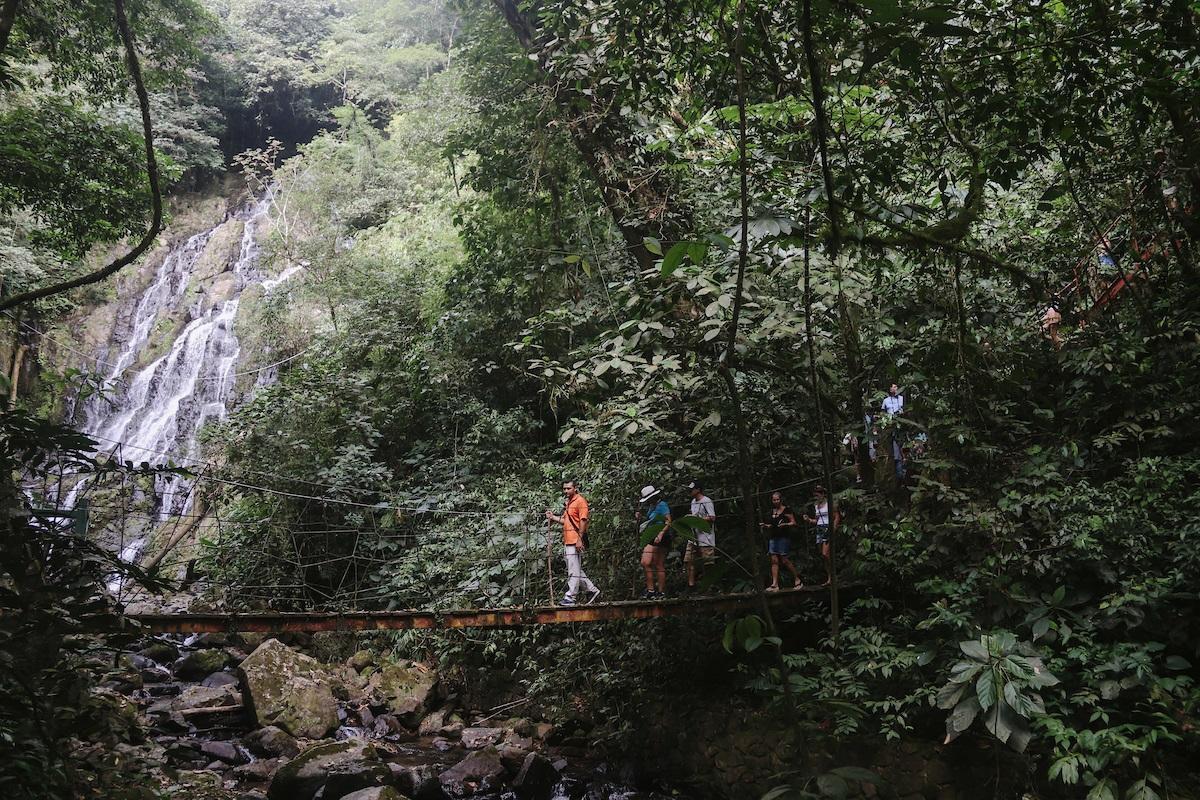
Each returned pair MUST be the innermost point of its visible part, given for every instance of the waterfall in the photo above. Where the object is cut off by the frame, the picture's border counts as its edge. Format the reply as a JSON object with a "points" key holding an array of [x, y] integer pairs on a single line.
{"points": [[157, 409]]}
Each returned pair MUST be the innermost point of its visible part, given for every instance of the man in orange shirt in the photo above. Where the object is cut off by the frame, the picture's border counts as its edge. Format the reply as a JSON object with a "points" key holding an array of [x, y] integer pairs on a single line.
{"points": [[574, 520]]}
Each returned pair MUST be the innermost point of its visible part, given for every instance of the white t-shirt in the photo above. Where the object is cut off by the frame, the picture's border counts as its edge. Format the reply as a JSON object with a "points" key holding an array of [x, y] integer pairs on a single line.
{"points": [[704, 508], [821, 512]]}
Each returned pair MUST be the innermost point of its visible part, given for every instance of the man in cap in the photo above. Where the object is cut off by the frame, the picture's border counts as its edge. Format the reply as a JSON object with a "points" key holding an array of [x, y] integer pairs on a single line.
{"points": [[705, 544]]}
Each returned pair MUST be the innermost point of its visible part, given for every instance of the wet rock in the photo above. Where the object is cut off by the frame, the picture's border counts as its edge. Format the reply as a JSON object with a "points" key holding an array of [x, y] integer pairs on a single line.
{"points": [[185, 753], [258, 770], [408, 690], [223, 751], [475, 738], [512, 758], [289, 690], [218, 679], [481, 771], [272, 741], [452, 730], [536, 779], [209, 640], [335, 769], [377, 793], [441, 745], [199, 664], [387, 725], [420, 782], [195, 697], [161, 652]]}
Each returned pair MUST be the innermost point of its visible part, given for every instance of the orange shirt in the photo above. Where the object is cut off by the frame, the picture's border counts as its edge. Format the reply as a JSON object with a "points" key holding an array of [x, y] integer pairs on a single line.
{"points": [[574, 516]]}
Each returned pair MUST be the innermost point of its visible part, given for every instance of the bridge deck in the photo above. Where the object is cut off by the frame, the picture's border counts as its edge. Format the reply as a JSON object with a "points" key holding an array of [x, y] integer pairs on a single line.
{"points": [[312, 621]]}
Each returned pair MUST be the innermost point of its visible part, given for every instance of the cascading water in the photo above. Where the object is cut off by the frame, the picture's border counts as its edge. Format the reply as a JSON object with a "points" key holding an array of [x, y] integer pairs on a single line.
{"points": [[157, 411]]}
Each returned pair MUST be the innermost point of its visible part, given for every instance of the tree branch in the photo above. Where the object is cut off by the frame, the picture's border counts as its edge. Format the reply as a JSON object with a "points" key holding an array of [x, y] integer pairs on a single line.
{"points": [[139, 86]]}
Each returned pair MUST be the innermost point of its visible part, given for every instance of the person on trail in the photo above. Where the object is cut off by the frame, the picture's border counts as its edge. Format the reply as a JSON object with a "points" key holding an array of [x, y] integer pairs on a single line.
{"points": [[779, 527], [574, 520], [705, 545], [825, 526], [655, 511], [893, 406]]}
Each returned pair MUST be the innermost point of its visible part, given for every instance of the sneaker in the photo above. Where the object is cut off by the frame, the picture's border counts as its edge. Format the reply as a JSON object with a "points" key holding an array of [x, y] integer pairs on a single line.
{"points": [[592, 599], [646, 595], [567, 601]]}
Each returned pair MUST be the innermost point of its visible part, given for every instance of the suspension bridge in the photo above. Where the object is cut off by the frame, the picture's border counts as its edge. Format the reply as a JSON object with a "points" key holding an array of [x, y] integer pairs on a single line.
{"points": [[308, 571]]}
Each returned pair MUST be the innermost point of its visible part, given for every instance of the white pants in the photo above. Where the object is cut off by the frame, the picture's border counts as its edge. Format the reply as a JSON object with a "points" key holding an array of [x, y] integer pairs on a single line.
{"points": [[575, 574]]}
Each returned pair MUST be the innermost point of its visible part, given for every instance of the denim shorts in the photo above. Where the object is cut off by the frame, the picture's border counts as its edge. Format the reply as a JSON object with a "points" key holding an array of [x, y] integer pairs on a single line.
{"points": [[779, 545], [822, 534]]}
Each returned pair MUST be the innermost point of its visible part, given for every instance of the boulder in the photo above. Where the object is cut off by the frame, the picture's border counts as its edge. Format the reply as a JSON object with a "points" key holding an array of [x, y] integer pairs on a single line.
{"points": [[377, 793], [209, 640], [420, 782], [335, 769], [479, 772], [475, 738], [257, 770], [289, 690], [223, 751], [542, 731], [407, 690], [442, 745], [218, 679], [206, 697], [272, 741], [512, 758], [199, 664], [360, 660], [536, 779], [433, 723], [161, 652]]}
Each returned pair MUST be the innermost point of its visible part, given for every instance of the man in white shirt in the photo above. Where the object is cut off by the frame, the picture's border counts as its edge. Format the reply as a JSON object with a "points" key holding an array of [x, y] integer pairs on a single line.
{"points": [[705, 545], [894, 402], [893, 405]]}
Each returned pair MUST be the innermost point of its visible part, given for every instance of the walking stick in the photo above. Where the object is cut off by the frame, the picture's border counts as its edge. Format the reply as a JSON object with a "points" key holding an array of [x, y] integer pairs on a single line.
{"points": [[550, 561]]}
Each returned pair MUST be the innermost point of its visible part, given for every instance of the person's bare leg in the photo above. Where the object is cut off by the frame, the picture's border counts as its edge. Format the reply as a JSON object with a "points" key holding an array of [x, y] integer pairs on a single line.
{"points": [[691, 567], [648, 567], [661, 568], [792, 569], [828, 565], [775, 571]]}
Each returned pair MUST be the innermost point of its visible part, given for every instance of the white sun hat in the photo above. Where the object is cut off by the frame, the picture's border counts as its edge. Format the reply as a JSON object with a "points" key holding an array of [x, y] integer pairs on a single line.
{"points": [[648, 492]]}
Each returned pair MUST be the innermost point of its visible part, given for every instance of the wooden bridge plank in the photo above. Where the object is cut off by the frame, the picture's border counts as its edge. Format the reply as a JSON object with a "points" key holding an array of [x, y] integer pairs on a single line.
{"points": [[315, 621]]}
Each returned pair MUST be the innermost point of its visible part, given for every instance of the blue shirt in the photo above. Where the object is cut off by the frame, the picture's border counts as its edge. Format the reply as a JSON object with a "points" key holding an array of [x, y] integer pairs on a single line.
{"points": [[659, 513]]}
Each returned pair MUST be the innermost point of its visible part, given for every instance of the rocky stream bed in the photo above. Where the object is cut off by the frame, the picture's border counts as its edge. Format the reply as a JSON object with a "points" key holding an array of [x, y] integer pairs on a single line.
{"points": [[253, 717]]}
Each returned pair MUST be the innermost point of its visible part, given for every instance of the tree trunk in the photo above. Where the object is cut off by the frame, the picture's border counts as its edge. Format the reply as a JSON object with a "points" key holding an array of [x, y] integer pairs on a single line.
{"points": [[8, 15]]}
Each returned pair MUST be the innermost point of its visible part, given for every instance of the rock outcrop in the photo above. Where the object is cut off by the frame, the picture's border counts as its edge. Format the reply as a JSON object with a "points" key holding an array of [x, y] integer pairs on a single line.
{"points": [[335, 769], [481, 771], [289, 690]]}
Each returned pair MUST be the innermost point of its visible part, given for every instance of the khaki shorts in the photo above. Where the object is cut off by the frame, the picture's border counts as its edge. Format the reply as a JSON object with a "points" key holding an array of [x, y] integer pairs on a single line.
{"points": [[708, 554]]}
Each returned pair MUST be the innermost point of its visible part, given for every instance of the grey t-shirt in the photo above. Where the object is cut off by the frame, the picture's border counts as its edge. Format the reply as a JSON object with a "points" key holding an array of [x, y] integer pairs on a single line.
{"points": [[704, 508]]}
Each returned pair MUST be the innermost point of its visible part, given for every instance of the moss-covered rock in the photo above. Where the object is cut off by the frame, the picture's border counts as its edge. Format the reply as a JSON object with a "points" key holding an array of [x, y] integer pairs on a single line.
{"points": [[289, 690], [408, 690], [339, 768], [199, 664]]}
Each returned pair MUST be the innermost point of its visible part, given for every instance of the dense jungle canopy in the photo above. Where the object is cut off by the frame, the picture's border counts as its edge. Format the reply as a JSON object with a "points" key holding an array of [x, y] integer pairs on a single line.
{"points": [[627, 243]]}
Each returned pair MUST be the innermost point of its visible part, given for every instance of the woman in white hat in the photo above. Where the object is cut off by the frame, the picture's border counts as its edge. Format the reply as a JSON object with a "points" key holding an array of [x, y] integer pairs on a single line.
{"points": [[654, 555]]}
